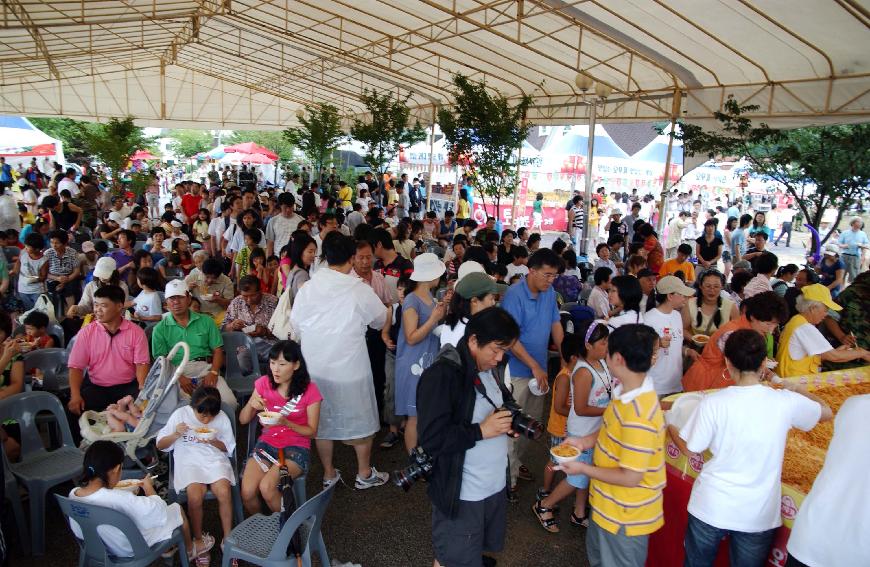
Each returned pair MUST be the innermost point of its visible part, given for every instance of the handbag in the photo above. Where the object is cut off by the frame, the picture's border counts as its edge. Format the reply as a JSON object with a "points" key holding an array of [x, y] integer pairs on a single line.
{"points": [[279, 323]]}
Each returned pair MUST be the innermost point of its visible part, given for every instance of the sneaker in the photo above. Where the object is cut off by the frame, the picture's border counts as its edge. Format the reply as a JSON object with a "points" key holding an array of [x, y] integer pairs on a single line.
{"points": [[375, 479], [327, 482], [390, 440]]}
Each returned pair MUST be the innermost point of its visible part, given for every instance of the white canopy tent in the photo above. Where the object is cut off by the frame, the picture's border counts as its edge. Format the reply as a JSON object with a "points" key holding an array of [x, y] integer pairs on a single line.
{"points": [[246, 63], [21, 141]]}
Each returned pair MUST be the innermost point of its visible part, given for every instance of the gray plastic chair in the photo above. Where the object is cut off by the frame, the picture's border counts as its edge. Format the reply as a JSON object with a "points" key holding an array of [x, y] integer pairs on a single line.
{"points": [[13, 495], [92, 550], [181, 497], [39, 469], [240, 380], [262, 541], [299, 492], [53, 363]]}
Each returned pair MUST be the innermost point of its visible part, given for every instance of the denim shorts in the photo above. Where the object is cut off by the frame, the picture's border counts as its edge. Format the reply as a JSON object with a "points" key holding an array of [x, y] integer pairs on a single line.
{"points": [[298, 455], [581, 480], [555, 441]]}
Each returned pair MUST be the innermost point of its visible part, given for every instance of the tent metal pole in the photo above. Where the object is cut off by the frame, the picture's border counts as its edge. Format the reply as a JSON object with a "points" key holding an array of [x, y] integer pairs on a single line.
{"points": [[587, 195], [663, 200], [429, 171]]}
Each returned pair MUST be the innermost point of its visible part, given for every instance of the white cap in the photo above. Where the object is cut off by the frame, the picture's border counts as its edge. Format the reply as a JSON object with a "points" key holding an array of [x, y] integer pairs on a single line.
{"points": [[176, 224], [427, 267], [176, 288], [105, 268], [116, 216], [469, 267], [831, 249]]}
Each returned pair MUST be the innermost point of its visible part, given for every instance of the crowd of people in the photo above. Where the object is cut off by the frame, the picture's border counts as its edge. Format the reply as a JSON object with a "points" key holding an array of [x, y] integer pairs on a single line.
{"points": [[368, 313]]}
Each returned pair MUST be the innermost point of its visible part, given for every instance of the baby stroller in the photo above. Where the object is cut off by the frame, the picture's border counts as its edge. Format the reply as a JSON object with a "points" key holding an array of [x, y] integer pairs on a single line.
{"points": [[158, 398]]}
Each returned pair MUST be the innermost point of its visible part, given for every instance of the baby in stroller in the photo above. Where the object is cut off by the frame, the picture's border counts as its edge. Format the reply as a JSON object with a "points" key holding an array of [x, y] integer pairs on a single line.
{"points": [[125, 415]]}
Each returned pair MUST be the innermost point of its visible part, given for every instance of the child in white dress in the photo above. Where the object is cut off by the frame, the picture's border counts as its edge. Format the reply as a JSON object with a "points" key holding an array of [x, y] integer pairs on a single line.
{"points": [[155, 519], [201, 464], [148, 306]]}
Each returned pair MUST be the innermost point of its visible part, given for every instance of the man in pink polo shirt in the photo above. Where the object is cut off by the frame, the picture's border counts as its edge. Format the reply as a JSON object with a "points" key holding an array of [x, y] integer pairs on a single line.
{"points": [[113, 350]]}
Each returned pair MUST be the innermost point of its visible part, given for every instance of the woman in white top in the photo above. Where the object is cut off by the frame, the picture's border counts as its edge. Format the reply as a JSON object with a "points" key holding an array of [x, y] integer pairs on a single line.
{"points": [[625, 295], [104, 274], [745, 426], [473, 293], [591, 391], [708, 310], [155, 519]]}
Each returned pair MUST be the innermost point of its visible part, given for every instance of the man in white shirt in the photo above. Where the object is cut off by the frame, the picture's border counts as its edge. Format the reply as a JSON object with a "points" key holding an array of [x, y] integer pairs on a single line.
{"points": [[831, 523], [281, 227], [665, 318], [68, 182], [290, 186], [598, 300]]}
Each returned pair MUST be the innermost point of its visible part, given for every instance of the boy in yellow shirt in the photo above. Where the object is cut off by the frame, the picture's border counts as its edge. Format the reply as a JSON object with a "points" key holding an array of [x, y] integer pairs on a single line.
{"points": [[680, 264], [628, 470]]}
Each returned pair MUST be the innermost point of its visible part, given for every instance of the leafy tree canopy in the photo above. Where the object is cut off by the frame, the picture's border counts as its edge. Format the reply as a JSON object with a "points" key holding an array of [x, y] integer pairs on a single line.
{"points": [[484, 129], [113, 143], [836, 159], [188, 143], [318, 136], [67, 131], [387, 130]]}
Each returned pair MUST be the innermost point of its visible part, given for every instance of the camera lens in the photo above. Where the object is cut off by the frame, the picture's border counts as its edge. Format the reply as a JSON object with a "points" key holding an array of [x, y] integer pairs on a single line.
{"points": [[527, 426]]}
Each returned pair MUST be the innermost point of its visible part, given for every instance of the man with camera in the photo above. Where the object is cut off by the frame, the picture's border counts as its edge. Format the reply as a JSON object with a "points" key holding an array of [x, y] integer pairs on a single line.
{"points": [[465, 414]]}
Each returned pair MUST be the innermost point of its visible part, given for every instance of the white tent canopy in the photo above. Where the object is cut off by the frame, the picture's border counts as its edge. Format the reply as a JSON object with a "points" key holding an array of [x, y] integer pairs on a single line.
{"points": [[240, 64], [18, 138]]}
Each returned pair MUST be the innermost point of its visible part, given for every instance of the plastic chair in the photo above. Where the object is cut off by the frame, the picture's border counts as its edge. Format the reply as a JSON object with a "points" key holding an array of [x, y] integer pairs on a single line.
{"points": [[240, 381], [13, 495], [140, 245], [299, 492], [181, 497], [262, 541], [90, 517], [40, 469], [53, 364]]}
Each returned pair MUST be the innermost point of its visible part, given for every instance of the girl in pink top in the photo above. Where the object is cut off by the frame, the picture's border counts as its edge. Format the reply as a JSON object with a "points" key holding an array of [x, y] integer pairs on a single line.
{"points": [[288, 390]]}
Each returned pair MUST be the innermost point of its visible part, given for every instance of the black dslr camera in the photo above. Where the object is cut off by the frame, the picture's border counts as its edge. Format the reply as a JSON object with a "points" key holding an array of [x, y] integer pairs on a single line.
{"points": [[523, 424], [420, 467]]}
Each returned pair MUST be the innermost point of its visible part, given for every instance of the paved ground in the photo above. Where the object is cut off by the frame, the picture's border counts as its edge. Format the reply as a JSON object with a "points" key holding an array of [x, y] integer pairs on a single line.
{"points": [[380, 527]]}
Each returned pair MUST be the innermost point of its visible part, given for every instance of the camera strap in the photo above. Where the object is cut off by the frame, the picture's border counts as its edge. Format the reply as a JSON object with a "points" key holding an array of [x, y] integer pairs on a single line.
{"points": [[481, 389]]}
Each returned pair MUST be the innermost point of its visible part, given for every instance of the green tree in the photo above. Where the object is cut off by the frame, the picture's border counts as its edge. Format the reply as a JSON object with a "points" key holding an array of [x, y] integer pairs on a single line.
{"points": [[113, 143], [188, 143], [834, 159], [67, 131], [318, 136], [485, 130], [388, 129], [270, 139]]}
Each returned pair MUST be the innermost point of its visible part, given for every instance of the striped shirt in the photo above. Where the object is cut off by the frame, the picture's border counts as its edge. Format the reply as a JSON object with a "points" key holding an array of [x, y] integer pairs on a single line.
{"points": [[632, 437]]}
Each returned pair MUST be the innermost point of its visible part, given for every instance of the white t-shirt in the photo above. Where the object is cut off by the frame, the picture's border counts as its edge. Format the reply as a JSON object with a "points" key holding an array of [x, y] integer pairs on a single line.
{"points": [[155, 519], [832, 523], [148, 304], [745, 428], [806, 341], [599, 302], [66, 183], [626, 318], [513, 270], [451, 336], [667, 374], [290, 186], [364, 203]]}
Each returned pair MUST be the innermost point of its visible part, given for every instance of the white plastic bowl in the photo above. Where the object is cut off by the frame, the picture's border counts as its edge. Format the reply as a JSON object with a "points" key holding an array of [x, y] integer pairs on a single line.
{"points": [[207, 433], [562, 460], [129, 485], [269, 417], [682, 409]]}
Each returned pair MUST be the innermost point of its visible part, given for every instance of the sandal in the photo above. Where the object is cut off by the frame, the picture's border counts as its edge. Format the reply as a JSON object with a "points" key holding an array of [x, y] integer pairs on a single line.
{"points": [[578, 521], [550, 524], [207, 544]]}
